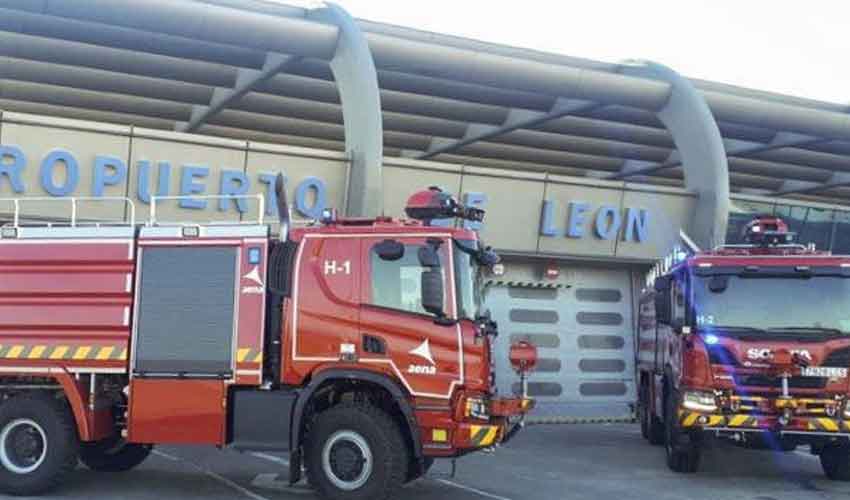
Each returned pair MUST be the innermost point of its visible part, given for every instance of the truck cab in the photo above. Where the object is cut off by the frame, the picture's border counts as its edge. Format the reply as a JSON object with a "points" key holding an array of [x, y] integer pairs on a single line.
{"points": [[357, 346], [749, 343]]}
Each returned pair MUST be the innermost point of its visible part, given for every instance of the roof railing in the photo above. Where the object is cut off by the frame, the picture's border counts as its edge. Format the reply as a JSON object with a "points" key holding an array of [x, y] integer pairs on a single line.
{"points": [[261, 210], [74, 202]]}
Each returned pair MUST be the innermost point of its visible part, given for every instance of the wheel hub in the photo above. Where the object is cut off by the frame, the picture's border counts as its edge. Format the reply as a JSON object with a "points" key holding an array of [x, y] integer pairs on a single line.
{"points": [[347, 460], [23, 446]]}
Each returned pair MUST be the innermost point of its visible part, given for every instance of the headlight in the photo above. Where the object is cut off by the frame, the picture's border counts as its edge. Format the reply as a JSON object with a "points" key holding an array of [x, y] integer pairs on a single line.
{"points": [[477, 408], [847, 409], [699, 401]]}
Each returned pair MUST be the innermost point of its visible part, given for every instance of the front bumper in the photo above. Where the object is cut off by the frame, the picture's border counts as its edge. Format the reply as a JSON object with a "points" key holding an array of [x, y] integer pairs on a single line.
{"points": [[506, 420], [796, 424]]}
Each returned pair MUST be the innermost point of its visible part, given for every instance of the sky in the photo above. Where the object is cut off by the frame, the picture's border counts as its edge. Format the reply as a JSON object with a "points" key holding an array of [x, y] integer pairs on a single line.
{"points": [[792, 47]]}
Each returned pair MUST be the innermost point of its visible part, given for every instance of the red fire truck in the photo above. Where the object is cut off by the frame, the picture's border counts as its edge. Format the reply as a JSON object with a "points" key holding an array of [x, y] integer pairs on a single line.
{"points": [[357, 346], [750, 343]]}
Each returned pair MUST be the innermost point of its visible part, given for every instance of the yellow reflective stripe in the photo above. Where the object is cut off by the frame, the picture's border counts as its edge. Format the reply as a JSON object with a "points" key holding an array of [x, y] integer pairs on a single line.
{"points": [[714, 420], [828, 424], [490, 437], [241, 354], [104, 353], [737, 420], [37, 352], [483, 435], [59, 352], [258, 358], [15, 351], [123, 354], [690, 420], [82, 352]]}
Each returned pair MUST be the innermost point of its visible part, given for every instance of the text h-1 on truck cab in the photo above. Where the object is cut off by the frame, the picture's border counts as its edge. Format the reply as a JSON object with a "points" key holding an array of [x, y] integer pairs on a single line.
{"points": [[356, 345], [752, 343]]}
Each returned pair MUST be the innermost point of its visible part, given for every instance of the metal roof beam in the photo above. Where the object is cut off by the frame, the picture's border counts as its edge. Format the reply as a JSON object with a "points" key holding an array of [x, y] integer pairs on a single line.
{"points": [[790, 186], [246, 80], [734, 148], [516, 119]]}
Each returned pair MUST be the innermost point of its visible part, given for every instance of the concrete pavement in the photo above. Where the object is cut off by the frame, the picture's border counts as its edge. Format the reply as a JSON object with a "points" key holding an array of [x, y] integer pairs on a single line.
{"points": [[543, 463]]}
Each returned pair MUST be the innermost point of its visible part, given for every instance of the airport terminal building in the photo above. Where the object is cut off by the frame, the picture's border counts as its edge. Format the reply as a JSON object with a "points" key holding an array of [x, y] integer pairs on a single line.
{"points": [[588, 171]]}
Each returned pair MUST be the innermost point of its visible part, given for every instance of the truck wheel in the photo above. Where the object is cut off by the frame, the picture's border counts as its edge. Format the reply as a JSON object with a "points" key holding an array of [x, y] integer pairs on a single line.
{"points": [[355, 451], [413, 475], [113, 455], [650, 427], [835, 461], [38, 444], [683, 455]]}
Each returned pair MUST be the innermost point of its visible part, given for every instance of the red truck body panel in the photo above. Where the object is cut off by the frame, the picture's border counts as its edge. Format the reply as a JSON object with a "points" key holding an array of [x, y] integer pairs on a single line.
{"points": [[66, 303]]}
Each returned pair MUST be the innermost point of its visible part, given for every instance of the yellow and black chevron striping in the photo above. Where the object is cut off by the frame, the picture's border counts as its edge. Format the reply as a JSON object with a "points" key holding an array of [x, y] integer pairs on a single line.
{"points": [[249, 355], [691, 419], [827, 425], [483, 435], [63, 352]]}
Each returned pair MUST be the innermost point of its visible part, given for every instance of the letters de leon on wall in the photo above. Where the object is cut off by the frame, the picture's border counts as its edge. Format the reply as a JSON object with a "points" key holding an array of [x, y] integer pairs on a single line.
{"points": [[605, 221]]}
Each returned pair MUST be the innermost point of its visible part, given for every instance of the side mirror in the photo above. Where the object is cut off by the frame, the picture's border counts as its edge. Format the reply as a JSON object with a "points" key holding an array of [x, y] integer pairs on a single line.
{"points": [[662, 284], [718, 284], [663, 307], [487, 257], [389, 250], [428, 257], [432, 291]]}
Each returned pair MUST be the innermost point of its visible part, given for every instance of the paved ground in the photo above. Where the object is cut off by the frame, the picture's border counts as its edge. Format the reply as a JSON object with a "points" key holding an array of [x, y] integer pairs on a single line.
{"points": [[545, 463]]}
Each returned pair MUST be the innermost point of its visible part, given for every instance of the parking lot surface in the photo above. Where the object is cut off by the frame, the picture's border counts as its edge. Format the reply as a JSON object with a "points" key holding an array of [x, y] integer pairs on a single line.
{"points": [[544, 462]]}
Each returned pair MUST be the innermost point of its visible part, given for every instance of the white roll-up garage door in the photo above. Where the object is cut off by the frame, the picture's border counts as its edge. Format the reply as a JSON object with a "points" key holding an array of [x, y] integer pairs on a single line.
{"points": [[584, 339]]}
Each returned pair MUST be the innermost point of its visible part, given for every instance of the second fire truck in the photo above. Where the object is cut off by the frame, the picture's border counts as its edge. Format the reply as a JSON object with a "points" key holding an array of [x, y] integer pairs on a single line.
{"points": [[750, 343]]}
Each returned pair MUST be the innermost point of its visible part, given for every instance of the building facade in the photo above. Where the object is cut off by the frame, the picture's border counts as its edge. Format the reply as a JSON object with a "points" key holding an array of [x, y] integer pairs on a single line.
{"points": [[576, 250]]}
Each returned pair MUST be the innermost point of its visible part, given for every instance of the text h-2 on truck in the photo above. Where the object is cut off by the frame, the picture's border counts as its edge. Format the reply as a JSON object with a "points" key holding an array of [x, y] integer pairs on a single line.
{"points": [[750, 343], [358, 346]]}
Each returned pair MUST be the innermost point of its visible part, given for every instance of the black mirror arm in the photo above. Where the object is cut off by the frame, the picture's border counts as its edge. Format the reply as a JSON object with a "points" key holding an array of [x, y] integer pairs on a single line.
{"points": [[444, 320]]}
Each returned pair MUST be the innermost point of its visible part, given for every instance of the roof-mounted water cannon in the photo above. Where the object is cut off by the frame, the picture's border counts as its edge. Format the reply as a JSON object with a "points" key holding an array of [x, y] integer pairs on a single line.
{"points": [[434, 203], [768, 231]]}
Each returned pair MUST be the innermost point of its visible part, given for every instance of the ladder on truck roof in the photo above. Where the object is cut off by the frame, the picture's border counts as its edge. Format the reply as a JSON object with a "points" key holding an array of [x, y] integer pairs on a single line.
{"points": [[18, 225]]}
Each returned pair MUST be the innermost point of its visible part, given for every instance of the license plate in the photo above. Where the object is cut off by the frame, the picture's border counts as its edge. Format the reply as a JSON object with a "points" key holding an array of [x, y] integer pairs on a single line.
{"points": [[824, 371]]}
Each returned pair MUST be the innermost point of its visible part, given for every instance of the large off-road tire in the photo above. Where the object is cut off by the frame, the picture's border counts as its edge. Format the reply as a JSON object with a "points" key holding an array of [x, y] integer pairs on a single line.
{"points": [[38, 444], [113, 455], [413, 474], [835, 461], [651, 428], [355, 451], [683, 454]]}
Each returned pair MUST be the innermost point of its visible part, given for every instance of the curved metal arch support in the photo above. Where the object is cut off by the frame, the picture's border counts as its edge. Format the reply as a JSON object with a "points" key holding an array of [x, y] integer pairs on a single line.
{"points": [[357, 80], [697, 138]]}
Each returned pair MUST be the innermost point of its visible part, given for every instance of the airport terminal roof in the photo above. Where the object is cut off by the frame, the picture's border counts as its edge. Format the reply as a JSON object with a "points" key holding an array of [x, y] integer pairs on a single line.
{"points": [[257, 70]]}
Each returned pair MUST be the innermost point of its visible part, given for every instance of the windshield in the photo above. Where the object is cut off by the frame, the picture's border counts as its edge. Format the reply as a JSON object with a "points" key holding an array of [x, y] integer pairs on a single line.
{"points": [[468, 279], [816, 303]]}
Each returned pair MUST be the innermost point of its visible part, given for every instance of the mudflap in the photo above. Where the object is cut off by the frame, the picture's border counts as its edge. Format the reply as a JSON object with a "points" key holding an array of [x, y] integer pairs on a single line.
{"points": [[294, 467]]}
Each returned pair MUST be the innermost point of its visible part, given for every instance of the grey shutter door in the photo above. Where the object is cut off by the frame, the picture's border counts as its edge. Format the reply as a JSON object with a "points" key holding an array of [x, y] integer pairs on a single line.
{"points": [[584, 336], [186, 311]]}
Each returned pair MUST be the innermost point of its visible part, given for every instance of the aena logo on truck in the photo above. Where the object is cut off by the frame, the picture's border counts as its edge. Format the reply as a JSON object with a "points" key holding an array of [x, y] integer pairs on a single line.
{"points": [[424, 352]]}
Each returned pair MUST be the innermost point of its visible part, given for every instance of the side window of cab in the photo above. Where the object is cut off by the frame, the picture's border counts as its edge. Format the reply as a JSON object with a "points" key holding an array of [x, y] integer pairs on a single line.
{"points": [[396, 275]]}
